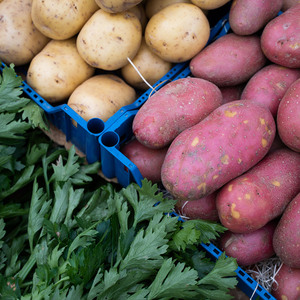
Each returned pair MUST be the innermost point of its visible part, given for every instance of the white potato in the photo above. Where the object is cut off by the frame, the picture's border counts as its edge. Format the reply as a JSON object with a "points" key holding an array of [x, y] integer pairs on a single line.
{"points": [[101, 96], [20, 40], [115, 6], [61, 19], [57, 70], [151, 66], [177, 32], [106, 40]]}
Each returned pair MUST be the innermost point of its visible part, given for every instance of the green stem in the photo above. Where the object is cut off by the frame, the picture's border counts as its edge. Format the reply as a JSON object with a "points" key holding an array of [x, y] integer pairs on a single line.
{"points": [[22, 274]]}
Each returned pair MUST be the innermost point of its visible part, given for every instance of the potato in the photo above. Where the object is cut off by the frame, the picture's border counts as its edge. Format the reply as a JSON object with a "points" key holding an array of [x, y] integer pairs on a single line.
{"points": [[286, 239], [228, 142], [280, 39], [151, 67], [116, 6], [210, 4], [176, 106], [57, 70], [288, 117], [249, 16], [261, 194], [20, 40], [154, 6], [286, 284], [269, 85], [61, 19], [106, 40], [148, 161], [101, 96], [229, 60], [249, 248], [177, 32], [203, 208]]}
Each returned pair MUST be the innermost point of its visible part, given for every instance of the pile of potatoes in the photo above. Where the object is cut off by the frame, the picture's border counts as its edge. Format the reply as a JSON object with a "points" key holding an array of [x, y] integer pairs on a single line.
{"points": [[224, 142], [76, 49]]}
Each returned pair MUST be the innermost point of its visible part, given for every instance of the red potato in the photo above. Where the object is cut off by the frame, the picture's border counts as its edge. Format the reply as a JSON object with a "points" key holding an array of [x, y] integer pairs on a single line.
{"points": [[261, 194], [230, 60], [231, 93], [286, 240], [287, 284], [249, 248], [249, 16], [176, 106], [148, 161], [280, 38], [288, 117], [228, 142], [269, 85], [204, 208]]}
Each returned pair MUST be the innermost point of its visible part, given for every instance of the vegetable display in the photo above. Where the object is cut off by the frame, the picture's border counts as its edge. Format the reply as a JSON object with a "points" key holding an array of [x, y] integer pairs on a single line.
{"points": [[202, 121]]}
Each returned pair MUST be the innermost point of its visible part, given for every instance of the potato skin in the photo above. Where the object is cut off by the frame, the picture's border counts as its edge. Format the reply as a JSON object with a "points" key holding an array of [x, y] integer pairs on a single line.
{"points": [[151, 66], [286, 239], [280, 38], [287, 283], [177, 32], [173, 108], [204, 208], [261, 194], [148, 161], [230, 60], [106, 40], [101, 96], [117, 6], [249, 248], [269, 84], [57, 70], [228, 142], [61, 19], [248, 16], [20, 40], [288, 117]]}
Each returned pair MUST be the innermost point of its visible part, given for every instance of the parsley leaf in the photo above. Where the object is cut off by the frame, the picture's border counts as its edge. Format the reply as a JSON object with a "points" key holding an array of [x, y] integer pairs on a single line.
{"points": [[10, 91]]}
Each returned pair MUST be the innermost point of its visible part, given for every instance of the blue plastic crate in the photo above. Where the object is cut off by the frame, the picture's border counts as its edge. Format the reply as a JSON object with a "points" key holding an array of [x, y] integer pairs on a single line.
{"points": [[81, 133]]}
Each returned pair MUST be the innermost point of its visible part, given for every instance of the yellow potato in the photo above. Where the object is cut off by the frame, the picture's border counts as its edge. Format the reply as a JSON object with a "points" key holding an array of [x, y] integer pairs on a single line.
{"points": [[115, 6], [151, 66], [177, 32], [101, 96], [106, 40], [154, 6], [57, 70], [209, 4], [20, 41], [61, 19]]}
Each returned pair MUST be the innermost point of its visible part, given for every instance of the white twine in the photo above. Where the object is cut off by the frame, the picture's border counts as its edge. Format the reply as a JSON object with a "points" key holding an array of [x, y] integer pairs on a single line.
{"points": [[150, 86], [266, 272]]}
